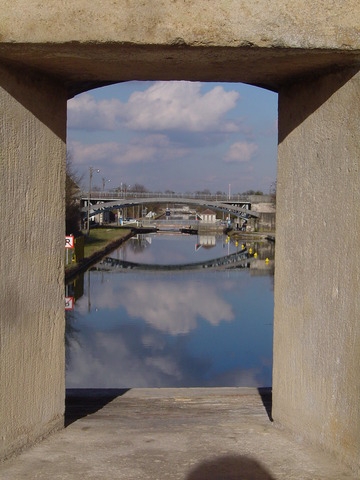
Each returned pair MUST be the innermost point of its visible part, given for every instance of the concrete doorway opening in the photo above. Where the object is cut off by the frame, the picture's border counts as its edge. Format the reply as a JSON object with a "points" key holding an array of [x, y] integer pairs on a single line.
{"points": [[153, 134]]}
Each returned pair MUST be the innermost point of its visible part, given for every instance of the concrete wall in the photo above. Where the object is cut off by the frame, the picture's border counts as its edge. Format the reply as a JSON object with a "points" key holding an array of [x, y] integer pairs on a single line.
{"points": [[316, 383], [32, 160], [266, 222], [285, 23]]}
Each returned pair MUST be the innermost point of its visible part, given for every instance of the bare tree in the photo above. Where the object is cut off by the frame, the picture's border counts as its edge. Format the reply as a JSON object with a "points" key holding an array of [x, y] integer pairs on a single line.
{"points": [[138, 188], [273, 192], [72, 204]]}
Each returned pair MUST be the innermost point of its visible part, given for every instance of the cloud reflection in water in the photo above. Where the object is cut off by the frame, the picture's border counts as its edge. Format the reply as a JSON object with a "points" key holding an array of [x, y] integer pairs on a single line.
{"points": [[171, 330]]}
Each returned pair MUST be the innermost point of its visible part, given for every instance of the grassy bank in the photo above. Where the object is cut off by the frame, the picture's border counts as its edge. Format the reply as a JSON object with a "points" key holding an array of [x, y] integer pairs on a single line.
{"points": [[98, 243], [100, 238]]}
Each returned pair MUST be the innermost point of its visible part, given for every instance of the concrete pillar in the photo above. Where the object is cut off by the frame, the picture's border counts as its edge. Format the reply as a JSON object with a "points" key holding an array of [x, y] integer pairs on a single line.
{"points": [[316, 382], [32, 174]]}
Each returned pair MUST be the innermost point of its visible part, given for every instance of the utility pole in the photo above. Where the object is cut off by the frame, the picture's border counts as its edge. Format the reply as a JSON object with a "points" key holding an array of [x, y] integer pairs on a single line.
{"points": [[91, 172]]}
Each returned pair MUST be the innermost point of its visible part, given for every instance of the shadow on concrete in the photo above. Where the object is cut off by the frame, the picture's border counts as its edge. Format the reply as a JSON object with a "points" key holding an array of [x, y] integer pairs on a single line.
{"points": [[320, 89], [231, 467], [80, 402], [266, 398]]}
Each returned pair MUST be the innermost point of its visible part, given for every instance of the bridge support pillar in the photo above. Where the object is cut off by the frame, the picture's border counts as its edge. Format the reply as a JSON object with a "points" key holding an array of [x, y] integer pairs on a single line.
{"points": [[316, 383], [32, 179]]}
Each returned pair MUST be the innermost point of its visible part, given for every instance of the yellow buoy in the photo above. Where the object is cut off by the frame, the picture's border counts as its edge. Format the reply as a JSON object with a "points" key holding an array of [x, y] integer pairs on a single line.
{"points": [[255, 255], [267, 260]]}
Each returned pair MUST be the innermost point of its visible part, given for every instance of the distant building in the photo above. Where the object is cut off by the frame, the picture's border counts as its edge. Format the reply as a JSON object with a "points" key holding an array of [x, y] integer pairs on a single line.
{"points": [[208, 216], [206, 241]]}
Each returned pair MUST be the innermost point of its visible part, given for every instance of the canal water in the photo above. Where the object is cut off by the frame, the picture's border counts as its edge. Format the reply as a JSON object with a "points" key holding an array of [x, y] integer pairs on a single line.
{"points": [[142, 327]]}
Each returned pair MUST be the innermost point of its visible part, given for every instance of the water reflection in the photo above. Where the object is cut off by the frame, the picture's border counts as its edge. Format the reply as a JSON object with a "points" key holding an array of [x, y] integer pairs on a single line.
{"points": [[234, 260], [142, 329]]}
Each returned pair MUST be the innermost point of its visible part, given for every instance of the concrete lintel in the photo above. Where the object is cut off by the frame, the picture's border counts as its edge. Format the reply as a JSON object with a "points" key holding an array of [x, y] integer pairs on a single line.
{"points": [[83, 66], [89, 44]]}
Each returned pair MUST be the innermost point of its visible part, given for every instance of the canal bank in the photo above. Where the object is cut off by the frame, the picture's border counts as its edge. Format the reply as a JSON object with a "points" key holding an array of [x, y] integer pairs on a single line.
{"points": [[104, 247], [71, 271]]}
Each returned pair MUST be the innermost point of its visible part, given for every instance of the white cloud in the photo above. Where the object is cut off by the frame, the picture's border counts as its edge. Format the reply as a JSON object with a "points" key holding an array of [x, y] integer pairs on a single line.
{"points": [[165, 365], [240, 152], [85, 113], [93, 154], [165, 306], [148, 149], [181, 106], [109, 360], [163, 106], [250, 377], [118, 359], [180, 306]]}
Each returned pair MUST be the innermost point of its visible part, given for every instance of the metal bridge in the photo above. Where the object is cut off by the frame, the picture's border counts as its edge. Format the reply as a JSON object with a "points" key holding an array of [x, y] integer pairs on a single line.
{"points": [[221, 206], [235, 260]]}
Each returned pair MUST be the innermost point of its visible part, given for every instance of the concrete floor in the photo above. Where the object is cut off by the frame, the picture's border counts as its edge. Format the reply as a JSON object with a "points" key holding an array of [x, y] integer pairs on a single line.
{"points": [[183, 434]]}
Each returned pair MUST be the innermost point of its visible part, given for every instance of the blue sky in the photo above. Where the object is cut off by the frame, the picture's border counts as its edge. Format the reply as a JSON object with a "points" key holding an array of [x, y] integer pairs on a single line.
{"points": [[179, 136]]}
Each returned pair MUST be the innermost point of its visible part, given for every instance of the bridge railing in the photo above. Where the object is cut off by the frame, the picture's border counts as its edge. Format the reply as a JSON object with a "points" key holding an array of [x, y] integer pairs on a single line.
{"points": [[117, 195]]}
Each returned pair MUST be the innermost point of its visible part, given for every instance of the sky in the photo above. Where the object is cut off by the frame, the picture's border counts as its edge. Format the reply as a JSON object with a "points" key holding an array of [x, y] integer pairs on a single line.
{"points": [[178, 136]]}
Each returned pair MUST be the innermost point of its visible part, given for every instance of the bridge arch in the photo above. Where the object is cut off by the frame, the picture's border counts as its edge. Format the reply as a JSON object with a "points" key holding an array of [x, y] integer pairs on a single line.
{"points": [[311, 56]]}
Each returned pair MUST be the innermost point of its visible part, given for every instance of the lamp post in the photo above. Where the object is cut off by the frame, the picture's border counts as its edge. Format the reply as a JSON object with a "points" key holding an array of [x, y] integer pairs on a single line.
{"points": [[104, 180], [125, 208], [126, 189], [91, 171]]}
